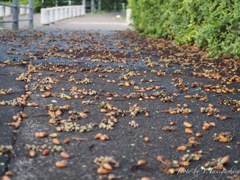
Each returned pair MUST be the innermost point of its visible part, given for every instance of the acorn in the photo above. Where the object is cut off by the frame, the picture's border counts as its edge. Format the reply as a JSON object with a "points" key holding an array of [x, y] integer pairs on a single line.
{"points": [[187, 125], [41, 134], [146, 139], [159, 159], [225, 159], [24, 115], [5, 178], [206, 126], [157, 87], [97, 136], [188, 96], [102, 171], [184, 163], [147, 114], [66, 141], [64, 155], [53, 135], [107, 166], [181, 148], [141, 162], [114, 108], [199, 134], [145, 178], [188, 131], [61, 164], [103, 110], [32, 153], [45, 152], [104, 137], [56, 141]]}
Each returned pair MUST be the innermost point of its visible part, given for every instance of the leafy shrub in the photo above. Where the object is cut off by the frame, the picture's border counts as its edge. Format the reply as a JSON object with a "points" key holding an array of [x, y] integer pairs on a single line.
{"points": [[212, 24]]}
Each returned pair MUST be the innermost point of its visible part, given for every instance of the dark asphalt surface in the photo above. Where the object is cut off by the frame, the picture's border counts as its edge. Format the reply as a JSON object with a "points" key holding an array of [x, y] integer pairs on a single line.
{"points": [[8, 76], [82, 69]]}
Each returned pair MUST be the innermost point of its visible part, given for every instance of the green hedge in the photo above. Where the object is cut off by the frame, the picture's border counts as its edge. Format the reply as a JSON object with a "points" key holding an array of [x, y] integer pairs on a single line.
{"points": [[211, 24]]}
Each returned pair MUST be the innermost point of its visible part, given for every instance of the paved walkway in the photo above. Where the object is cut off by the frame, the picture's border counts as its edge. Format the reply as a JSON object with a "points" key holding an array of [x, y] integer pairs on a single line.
{"points": [[91, 105], [107, 21], [96, 105]]}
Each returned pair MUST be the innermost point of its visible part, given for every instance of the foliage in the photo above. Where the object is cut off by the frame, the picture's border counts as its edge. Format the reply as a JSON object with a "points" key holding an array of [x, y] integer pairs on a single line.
{"points": [[212, 24], [107, 5]]}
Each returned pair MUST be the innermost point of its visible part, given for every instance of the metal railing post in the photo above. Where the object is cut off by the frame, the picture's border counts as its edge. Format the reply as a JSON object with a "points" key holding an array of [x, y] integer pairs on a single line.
{"points": [[31, 12], [115, 6], [84, 7], [99, 5], [15, 14], [1, 11], [92, 6]]}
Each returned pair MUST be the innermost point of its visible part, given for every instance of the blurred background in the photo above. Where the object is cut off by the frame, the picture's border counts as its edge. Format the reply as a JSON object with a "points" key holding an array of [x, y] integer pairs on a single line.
{"points": [[91, 5]]}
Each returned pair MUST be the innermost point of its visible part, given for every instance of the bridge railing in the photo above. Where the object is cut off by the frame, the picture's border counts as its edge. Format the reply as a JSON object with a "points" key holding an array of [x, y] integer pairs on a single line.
{"points": [[128, 16], [13, 10], [54, 14]]}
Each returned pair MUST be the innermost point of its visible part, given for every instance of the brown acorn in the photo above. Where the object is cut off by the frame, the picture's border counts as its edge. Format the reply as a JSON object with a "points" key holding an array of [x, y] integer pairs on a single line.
{"points": [[56, 141], [64, 155], [32, 153], [41, 134], [141, 162], [102, 171], [181, 148], [61, 164], [107, 166], [45, 152], [187, 125], [188, 131]]}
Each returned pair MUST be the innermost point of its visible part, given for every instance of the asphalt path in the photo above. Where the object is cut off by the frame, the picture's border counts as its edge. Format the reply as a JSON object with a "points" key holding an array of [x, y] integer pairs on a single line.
{"points": [[120, 105], [88, 22]]}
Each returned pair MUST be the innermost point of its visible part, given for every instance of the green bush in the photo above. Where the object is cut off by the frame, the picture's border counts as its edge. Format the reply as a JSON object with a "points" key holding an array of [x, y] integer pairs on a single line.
{"points": [[212, 24]]}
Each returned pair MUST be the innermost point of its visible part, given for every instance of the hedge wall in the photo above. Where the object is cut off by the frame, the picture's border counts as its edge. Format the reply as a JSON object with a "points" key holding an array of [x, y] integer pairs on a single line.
{"points": [[212, 24]]}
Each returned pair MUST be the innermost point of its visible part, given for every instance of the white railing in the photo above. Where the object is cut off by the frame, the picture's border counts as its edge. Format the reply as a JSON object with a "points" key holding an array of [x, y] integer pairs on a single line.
{"points": [[128, 16], [1, 11], [54, 14], [7, 11]]}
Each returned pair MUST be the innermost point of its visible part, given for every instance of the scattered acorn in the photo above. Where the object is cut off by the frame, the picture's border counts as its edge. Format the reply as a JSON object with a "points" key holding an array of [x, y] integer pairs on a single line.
{"points": [[199, 134], [187, 125], [61, 164], [107, 166], [182, 148], [146, 139], [102, 171], [41, 134], [64, 155], [141, 162], [45, 152], [188, 131], [146, 178], [207, 125], [32, 153], [56, 141], [101, 136], [53, 135], [67, 141], [5, 177]]}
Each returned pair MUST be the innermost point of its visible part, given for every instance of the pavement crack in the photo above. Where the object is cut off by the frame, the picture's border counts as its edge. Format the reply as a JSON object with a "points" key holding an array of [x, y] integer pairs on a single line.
{"points": [[41, 115]]}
